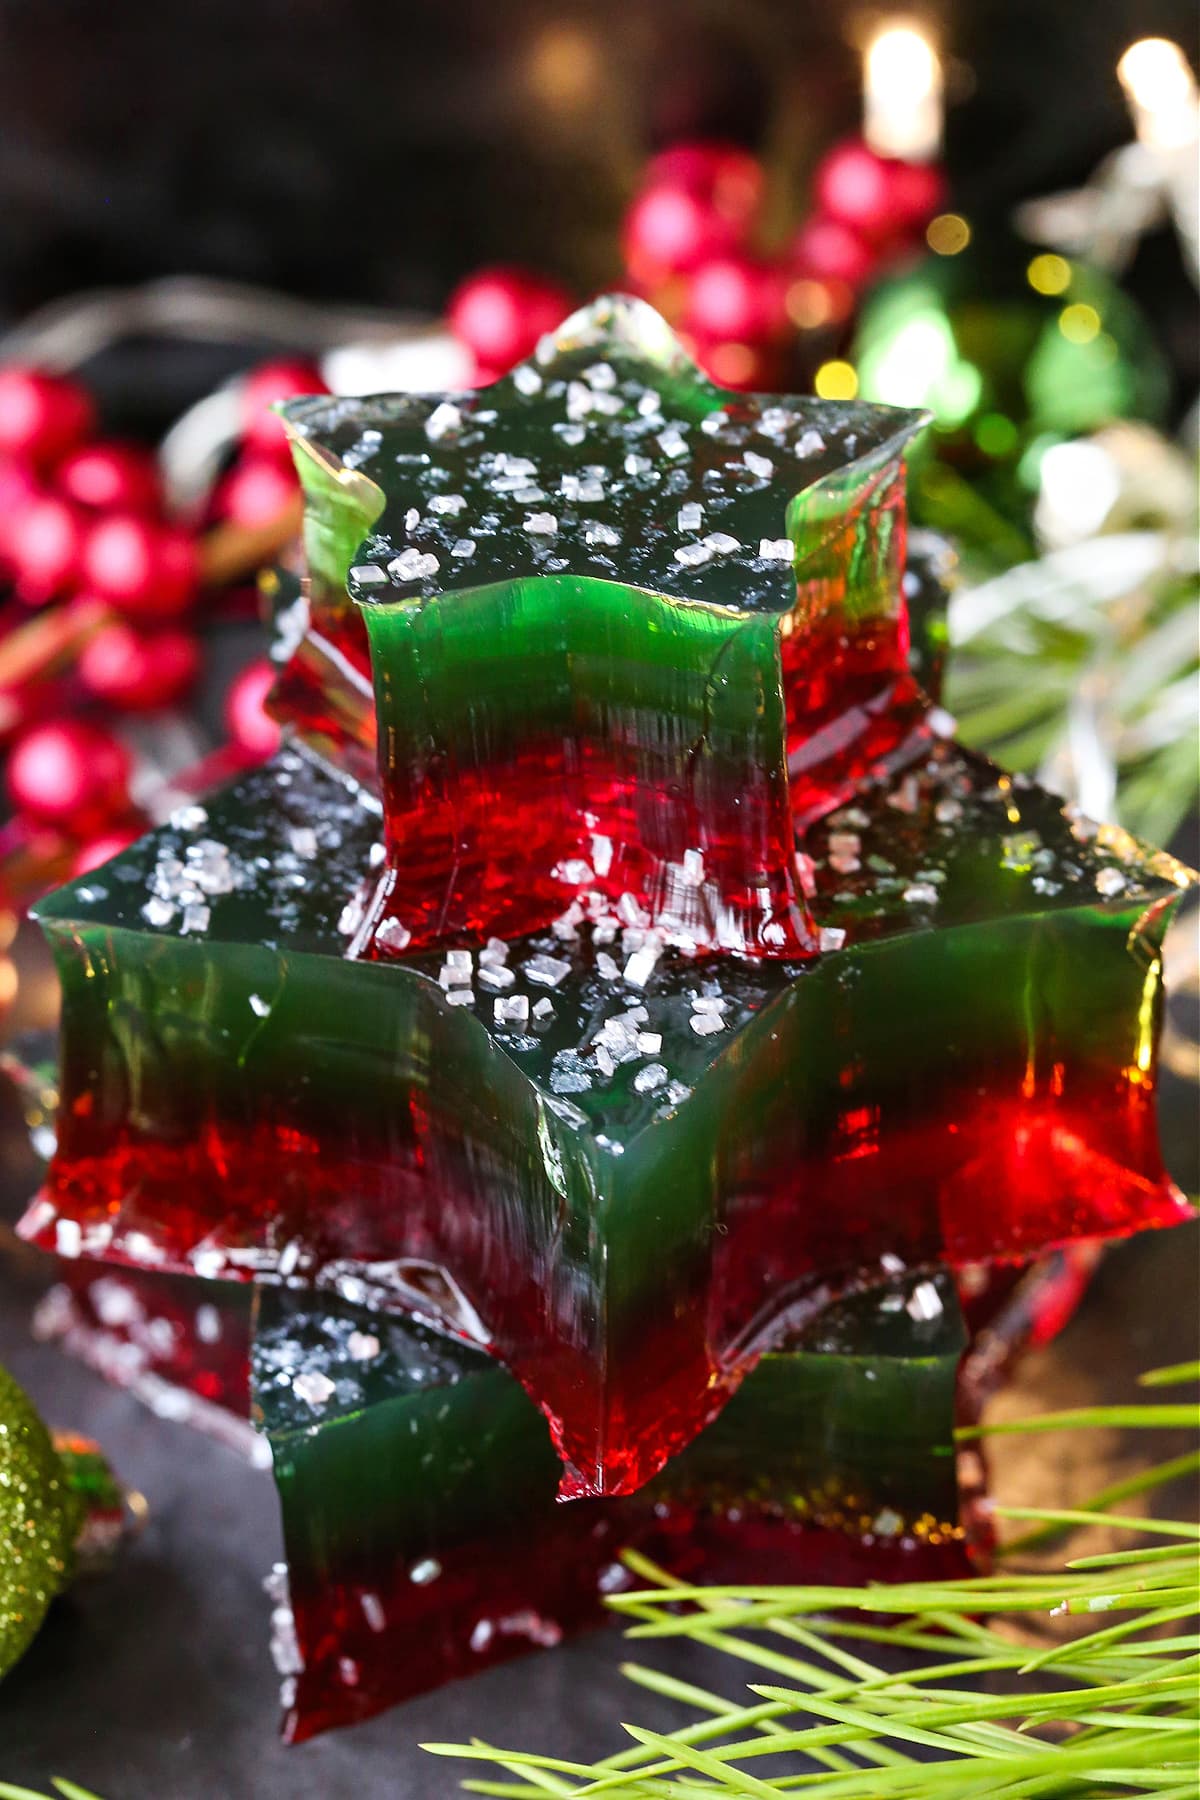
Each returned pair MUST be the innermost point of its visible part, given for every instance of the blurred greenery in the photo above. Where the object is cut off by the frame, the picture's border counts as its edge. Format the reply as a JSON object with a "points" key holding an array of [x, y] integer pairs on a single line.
{"points": [[1074, 630]]}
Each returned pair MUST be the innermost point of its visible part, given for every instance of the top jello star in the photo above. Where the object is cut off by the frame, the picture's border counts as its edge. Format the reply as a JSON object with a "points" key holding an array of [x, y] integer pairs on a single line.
{"points": [[626, 630]]}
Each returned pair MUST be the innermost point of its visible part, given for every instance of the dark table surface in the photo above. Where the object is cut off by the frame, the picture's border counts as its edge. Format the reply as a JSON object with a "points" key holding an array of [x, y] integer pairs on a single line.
{"points": [[154, 1682]]}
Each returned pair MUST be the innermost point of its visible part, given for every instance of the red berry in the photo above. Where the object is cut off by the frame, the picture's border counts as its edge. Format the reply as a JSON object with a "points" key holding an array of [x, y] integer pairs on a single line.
{"points": [[41, 416], [142, 567], [728, 178], [69, 773], [111, 476], [45, 546], [854, 185], [736, 299], [919, 192], [137, 670], [667, 230], [500, 314], [19, 488], [250, 725], [695, 201], [257, 491], [102, 849], [283, 379], [829, 250]]}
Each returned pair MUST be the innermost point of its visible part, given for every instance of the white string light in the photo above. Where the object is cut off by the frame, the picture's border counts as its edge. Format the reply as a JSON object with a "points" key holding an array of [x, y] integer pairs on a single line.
{"points": [[1161, 91], [902, 94]]}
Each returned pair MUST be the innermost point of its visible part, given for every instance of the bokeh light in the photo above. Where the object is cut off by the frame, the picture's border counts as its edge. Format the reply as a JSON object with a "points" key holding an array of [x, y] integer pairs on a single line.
{"points": [[1049, 274], [565, 66], [836, 380], [915, 361], [948, 234], [997, 435], [1079, 322], [732, 365], [809, 304]]}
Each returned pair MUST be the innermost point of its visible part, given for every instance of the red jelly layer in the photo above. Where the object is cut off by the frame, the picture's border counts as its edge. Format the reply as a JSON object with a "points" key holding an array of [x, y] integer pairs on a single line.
{"points": [[623, 1198]]}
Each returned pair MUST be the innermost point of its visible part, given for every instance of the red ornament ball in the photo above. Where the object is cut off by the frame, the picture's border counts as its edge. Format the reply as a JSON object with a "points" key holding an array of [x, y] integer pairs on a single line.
{"points": [[108, 476], [45, 545], [250, 724], [139, 671], [500, 314], [101, 850], [141, 567], [282, 379], [41, 416], [828, 250], [69, 773], [258, 491], [737, 299]]}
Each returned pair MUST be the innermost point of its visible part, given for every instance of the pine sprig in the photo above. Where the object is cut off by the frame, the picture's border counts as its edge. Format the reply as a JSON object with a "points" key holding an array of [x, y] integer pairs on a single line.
{"points": [[955, 1705], [63, 1790], [1080, 665]]}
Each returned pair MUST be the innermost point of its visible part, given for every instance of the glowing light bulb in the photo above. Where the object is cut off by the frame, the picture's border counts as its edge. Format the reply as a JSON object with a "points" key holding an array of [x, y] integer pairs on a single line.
{"points": [[1161, 92], [902, 94]]}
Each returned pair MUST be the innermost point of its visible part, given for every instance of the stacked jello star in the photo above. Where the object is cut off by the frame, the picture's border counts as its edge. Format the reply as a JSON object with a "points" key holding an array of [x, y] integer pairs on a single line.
{"points": [[615, 1028]]}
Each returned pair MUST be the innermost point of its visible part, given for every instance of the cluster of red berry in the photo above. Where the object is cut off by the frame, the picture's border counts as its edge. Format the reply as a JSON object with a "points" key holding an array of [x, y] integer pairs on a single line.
{"points": [[103, 594], [690, 245]]}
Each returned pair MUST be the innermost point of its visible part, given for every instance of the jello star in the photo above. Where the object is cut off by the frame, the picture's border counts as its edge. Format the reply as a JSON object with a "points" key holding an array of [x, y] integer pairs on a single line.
{"points": [[624, 628]]}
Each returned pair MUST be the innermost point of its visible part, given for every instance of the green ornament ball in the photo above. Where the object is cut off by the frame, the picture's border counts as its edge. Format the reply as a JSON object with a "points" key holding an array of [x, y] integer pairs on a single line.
{"points": [[40, 1516]]}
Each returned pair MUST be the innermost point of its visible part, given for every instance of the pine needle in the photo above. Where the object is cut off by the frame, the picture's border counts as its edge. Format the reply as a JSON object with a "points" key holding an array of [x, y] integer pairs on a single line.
{"points": [[68, 1790], [1144, 1482], [1175, 1376]]}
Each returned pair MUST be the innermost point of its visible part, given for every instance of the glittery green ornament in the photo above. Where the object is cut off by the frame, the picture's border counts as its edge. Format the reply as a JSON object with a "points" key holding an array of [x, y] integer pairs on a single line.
{"points": [[40, 1516], [1012, 351]]}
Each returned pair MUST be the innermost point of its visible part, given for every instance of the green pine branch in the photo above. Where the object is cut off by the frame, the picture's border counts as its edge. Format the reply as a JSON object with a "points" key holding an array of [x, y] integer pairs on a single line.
{"points": [[971, 1713], [1049, 665]]}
